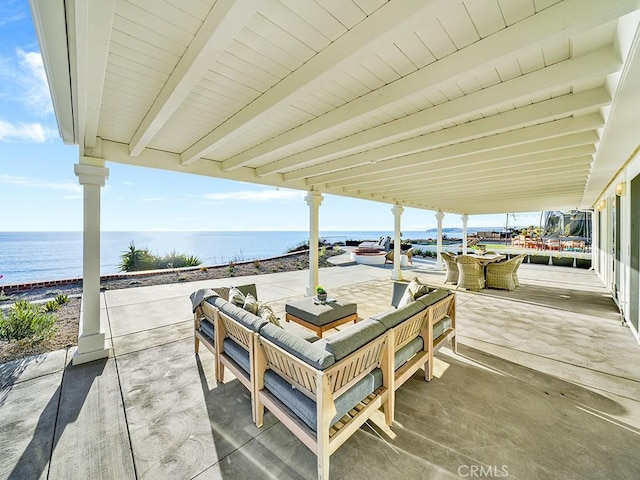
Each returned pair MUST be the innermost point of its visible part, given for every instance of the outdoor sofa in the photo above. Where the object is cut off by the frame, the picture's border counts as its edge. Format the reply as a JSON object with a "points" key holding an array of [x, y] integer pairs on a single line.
{"points": [[323, 390]]}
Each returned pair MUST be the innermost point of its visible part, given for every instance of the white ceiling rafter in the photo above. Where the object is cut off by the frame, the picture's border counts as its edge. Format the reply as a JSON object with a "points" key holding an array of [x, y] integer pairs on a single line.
{"points": [[93, 34], [519, 136], [501, 169], [372, 31], [500, 184], [595, 65], [467, 161], [548, 110], [522, 140], [539, 29], [499, 147], [453, 106], [222, 24]]}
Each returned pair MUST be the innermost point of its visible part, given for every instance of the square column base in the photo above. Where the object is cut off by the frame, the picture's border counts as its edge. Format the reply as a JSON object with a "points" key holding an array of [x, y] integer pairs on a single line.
{"points": [[90, 348], [397, 275]]}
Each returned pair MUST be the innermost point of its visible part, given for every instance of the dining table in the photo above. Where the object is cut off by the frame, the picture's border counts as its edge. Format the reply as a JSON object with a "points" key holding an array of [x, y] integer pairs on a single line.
{"points": [[488, 258]]}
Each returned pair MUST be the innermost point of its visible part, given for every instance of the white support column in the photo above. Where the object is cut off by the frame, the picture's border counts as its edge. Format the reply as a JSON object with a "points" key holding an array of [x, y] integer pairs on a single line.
{"points": [[91, 341], [314, 199], [465, 218], [397, 249], [439, 264]]}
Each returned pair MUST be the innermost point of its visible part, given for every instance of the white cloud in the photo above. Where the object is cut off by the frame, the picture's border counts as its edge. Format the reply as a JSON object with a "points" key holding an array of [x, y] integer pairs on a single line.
{"points": [[36, 89], [70, 187], [255, 195], [23, 79], [25, 132]]}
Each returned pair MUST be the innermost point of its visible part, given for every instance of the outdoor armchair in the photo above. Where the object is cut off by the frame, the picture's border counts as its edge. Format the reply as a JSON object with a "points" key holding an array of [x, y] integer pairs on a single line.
{"points": [[501, 275], [520, 259], [470, 273], [452, 267]]}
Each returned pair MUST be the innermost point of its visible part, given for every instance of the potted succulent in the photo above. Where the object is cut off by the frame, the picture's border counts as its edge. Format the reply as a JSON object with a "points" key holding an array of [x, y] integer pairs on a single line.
{"points": [[322, 293]]}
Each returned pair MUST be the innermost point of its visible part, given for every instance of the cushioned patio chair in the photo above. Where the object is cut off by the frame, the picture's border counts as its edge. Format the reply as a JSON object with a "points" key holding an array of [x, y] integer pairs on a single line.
{"points": [[520, 259], [388, 258], [409, 254], [500, 274], [452, 267], [470, 273]]}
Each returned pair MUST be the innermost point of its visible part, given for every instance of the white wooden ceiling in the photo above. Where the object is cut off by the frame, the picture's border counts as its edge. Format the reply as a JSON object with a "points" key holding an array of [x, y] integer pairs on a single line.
{"points": [[476, 106]]}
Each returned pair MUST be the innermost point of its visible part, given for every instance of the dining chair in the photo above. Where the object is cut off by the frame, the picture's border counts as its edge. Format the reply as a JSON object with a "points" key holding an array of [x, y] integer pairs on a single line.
{"points": [[470, 273], [452, 267]]}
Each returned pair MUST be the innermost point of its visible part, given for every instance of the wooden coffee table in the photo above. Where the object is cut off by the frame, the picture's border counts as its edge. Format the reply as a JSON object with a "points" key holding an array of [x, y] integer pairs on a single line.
{"points": [[320, 317]]}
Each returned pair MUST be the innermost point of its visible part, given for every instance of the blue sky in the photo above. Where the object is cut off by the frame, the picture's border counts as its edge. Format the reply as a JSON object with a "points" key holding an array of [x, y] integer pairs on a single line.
{"points": [[39, 191]]}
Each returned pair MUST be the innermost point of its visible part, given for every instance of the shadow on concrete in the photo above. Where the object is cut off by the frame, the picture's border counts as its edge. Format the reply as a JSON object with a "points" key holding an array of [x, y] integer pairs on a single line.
{"points": [[484, 411], [577, 300], [37, 455]]}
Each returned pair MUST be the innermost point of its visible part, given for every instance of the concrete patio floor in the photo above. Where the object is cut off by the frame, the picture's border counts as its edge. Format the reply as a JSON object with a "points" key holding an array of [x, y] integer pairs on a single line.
{"points": [[545, 385]]}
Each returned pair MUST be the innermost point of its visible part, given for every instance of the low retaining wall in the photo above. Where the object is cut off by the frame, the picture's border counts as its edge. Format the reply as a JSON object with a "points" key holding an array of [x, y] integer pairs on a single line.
{"points": [[25, 287]]}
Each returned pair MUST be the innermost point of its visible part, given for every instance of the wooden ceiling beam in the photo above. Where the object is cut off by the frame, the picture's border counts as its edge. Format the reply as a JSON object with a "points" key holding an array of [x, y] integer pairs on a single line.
{"points": [[361, 39], [561, 20], [522, 136], [221, 26]]}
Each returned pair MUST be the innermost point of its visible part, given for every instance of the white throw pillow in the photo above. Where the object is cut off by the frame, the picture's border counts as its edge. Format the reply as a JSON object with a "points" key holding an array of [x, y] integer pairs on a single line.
{"points": [[250, 304], [415, 289], [236, 297], [266, 313]]}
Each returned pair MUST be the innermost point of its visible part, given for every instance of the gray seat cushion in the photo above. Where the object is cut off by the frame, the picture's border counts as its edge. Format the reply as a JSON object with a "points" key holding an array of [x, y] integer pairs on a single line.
{"points": [[394, 317], [347, 341], [408, 351], [320, 314], [247, 319], [306, 351], [433, 297], [206, 327], [441, 327], [237, 354], [305, 408]]}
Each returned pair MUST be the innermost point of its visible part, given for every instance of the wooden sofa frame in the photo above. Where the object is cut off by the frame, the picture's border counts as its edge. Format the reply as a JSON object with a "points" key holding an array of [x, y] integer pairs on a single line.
{"points": [[227, 327], [325, 386], [421, 324]]}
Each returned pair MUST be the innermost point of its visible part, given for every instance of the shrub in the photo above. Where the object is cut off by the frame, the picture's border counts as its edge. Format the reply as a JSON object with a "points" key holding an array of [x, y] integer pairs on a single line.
{"points": [[302, 246], [135, 259], [61, 299], [174, 259], [51, 306], [257, 264], [26, 321]]}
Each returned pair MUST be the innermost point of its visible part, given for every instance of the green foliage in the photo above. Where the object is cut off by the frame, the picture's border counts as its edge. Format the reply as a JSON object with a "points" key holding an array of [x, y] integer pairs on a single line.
{"points": [[302, 246], [51, 306], [320, 289], [61, 299], [231, 268], [177, 260], [135, 259], [26, 321], [257, 264]]}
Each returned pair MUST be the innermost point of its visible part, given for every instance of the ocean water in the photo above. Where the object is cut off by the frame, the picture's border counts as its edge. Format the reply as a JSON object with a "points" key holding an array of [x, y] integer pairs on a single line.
{"points": [[35, 256]]}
